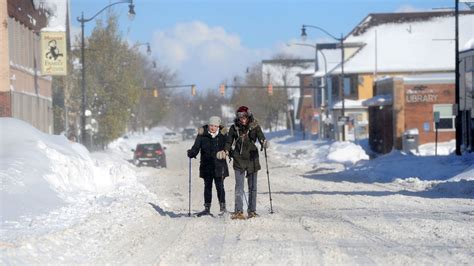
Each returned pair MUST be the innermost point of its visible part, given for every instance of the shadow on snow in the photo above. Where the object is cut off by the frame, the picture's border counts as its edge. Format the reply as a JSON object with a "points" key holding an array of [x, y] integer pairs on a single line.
{"points": [[167, 213]]}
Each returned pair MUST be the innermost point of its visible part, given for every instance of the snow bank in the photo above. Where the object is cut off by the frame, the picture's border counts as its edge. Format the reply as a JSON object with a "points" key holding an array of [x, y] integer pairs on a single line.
{"points": [[345, 152], [445, 174], [314, 152], [41, 172]]}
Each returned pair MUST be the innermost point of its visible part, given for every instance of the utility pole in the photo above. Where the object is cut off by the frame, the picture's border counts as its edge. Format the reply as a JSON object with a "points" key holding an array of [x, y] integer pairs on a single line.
{"points": [[456, 74]]}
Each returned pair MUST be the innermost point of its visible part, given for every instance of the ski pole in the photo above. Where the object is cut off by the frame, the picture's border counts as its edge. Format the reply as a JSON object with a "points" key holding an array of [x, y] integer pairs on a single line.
{"points": [[268, 178], [189, 212]]}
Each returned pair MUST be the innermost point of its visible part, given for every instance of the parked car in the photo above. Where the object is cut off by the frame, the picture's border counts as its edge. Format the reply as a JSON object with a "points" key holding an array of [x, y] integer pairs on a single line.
{"points": [[152, 154], [171, 137], [189, 133]]}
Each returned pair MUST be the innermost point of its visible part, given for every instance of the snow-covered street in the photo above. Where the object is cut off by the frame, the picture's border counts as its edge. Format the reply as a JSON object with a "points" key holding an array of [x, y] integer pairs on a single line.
{"points": [[326, 212]]}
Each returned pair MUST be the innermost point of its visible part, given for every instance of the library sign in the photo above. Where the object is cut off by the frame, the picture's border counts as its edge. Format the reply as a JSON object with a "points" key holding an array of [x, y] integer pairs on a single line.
{"points": [[421, 94], [53, 53]]}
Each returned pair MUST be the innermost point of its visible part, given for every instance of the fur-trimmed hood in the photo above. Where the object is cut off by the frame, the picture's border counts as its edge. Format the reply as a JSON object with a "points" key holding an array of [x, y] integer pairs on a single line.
{"points": [[205, 130], [253, 123]]}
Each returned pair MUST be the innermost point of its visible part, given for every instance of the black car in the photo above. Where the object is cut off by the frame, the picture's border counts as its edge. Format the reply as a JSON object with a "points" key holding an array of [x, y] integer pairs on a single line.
{"points": [[152, 154], [189, 133]]}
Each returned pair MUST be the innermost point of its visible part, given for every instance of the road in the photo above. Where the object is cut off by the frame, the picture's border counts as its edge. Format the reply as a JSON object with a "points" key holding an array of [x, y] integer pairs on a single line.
{"points": [[315, 222], [319, 219]]}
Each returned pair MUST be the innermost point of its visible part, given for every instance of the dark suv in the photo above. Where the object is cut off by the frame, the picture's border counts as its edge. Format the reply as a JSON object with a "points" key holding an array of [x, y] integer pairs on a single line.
{"points": [[149, 154], [189, 133]]}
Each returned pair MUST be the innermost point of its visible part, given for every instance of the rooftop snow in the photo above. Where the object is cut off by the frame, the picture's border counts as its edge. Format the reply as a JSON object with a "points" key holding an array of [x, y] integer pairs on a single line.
{"points": [[58, 13], [426, 45], [379, 100]]}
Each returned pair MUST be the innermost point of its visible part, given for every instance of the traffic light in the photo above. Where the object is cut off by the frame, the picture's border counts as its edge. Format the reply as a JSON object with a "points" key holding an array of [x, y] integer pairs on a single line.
{"points": [[270, 89], [222, 89], [155, 92], [193, 90]]}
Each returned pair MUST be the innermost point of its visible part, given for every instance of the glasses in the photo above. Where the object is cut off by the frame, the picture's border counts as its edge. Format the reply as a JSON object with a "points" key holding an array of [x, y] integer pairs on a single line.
{"points": [[242, 114]]}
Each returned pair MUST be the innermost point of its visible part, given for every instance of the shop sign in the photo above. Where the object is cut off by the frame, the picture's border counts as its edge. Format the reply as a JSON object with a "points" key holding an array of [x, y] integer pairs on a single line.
{"points": [[420, 94], [53, 53]]}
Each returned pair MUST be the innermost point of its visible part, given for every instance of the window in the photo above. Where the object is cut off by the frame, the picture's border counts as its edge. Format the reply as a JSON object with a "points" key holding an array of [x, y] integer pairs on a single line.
{"points": [[446, 117]]}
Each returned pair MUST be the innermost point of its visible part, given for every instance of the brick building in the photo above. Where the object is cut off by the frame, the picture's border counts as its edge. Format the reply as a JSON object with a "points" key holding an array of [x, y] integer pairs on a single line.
{"points": [[24, 93], [409, 102]]}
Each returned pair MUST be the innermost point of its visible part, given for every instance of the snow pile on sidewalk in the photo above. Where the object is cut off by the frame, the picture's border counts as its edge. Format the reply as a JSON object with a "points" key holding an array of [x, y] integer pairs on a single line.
{"points": [[41, 173], [445, 174], [309, 152]]}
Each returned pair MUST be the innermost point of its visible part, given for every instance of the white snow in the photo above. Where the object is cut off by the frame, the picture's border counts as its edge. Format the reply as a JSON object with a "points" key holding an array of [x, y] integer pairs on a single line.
{"points": [[61, 204], [469, 45], [349, 104], [58, 13], [379, 100], [401, 47]]}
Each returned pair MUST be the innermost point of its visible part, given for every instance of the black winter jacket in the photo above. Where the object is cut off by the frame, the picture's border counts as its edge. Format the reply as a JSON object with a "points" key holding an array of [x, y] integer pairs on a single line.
{"points": [[208, 146]]}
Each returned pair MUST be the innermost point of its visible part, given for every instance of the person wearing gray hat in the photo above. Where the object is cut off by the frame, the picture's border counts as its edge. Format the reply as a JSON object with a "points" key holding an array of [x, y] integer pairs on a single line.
{"points": [[210, 141]]}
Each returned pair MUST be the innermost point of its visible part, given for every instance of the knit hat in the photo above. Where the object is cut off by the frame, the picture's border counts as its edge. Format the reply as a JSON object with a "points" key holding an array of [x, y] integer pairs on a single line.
{"points": [[215, 120], [242, 111]]}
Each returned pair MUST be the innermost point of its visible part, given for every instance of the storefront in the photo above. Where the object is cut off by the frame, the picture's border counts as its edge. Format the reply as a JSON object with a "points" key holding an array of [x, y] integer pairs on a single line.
{"points": [[409, 104]]}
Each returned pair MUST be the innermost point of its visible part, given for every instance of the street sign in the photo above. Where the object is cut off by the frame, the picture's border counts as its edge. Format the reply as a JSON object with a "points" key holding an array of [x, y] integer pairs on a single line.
{"points": [[436, 117], [344, 119]]}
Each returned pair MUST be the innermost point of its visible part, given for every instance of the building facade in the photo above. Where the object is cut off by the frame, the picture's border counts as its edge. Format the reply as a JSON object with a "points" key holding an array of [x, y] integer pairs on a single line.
{"points": [[408, 104], [24, 93]]}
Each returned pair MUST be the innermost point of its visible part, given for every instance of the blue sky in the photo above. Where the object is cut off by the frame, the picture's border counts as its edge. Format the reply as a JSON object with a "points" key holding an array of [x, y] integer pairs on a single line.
{"points": [[209, 41]]}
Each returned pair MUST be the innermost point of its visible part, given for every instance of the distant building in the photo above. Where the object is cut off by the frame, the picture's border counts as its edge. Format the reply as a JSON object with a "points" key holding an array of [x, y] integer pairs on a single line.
{"points": [[284, 73], [466, 94], [399, 45]]}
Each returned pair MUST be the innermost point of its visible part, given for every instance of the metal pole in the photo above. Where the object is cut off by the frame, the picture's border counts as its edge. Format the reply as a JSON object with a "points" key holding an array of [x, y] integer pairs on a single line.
{"points": [[316, 85], [436, 139], [189, 212], [268, 178], [342, 89], [83, 72], [456, 74]]}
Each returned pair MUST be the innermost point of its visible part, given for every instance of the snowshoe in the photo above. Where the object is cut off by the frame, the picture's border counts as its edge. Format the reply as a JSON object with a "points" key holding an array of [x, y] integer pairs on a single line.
{"points": [[252, 215], [238, 215]]}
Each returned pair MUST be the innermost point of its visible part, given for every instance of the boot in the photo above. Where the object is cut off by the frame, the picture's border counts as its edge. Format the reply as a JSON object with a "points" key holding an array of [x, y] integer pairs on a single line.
{"points": [[206, 211], [252, 214], [222, 209], [238, 215]]}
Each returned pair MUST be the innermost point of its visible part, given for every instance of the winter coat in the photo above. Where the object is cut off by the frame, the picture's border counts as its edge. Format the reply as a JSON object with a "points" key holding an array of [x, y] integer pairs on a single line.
{"points": [[210, 166], [241, 146]]}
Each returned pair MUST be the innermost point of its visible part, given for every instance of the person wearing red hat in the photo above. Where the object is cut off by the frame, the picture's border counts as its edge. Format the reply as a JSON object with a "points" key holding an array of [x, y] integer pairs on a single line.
{"points": [[240, 145]]}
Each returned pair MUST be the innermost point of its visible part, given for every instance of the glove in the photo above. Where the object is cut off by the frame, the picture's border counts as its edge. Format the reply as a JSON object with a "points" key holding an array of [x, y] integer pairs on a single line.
{"points": [[266, 144], [190, 154], [221, 155]]}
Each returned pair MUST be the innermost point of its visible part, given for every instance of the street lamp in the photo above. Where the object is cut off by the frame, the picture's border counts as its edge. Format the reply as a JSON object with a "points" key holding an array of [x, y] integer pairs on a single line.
{"points": [[82, 20], [323, 80], [341, 82]]}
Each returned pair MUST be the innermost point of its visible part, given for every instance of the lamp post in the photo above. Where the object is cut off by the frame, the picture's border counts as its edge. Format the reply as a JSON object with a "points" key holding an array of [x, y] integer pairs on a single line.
{"points": [[323, 80], [82, 20], [341, 82]]}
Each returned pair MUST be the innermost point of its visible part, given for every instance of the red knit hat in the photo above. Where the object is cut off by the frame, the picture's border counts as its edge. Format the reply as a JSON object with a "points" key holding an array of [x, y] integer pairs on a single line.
{"points": [[242, 111]]}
